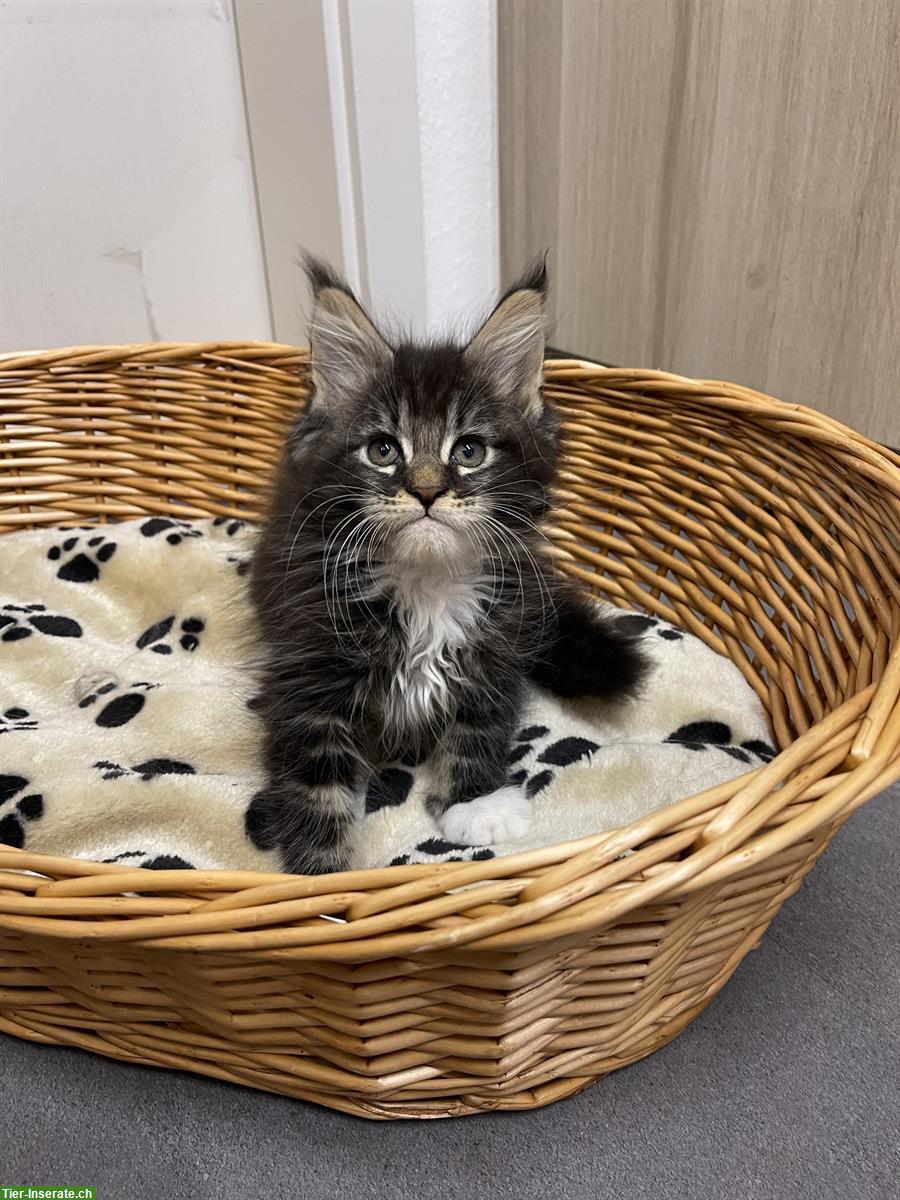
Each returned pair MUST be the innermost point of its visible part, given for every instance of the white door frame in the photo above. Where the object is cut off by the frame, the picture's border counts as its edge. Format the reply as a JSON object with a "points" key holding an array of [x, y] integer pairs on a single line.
{"points": [[373, 125]]}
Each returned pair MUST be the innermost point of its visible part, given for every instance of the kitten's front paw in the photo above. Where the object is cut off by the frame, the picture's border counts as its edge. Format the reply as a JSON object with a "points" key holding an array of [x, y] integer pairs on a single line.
{"points": [[501, 816]]}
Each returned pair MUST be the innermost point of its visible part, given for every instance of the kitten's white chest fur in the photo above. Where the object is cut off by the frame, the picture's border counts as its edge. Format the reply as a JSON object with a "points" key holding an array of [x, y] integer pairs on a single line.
{"points": [[438, 613]]}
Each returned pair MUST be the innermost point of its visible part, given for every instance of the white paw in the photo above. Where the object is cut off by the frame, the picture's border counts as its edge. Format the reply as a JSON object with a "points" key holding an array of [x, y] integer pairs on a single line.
{"points": [[502, 816]]}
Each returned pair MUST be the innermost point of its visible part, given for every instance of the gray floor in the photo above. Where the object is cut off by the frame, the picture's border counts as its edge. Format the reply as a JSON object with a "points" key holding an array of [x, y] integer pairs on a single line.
{"points": [[786, 1087]]}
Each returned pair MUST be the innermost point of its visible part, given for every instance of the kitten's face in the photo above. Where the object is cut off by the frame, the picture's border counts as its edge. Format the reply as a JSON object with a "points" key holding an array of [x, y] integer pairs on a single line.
{"points": [[445, 467], [431, 453]]}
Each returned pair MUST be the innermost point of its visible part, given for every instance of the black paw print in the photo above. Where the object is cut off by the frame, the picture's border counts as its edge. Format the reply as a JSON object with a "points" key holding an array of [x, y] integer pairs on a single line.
{"points": [[168, 862], [120, 709], [15, 720], [84, 557], [436, 849], [560, 753], [175, 531], [634, 624], [156, 636], [231, 524], [160, 862], [705, 735], [764, 750], [15, 819], [669, 633], [18, 621], [240, 562], [148, 770]]}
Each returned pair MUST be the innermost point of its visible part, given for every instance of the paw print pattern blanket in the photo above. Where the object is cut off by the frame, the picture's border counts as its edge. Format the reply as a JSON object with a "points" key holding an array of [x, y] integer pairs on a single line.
{"points": [[128, 731]]}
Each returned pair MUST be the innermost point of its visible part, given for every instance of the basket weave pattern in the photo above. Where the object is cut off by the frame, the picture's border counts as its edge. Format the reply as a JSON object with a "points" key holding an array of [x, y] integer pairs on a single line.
{"points": [[770, 531]]}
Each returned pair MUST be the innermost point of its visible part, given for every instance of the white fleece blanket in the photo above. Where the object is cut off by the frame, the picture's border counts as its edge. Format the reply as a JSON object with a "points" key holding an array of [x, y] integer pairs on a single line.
{"points": [[127, 731]]}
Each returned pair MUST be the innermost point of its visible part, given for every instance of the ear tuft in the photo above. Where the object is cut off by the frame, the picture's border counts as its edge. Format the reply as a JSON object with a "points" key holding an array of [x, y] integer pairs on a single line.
{"points": [[508, 350], [533, 279], [346, 349], [322, 275]]}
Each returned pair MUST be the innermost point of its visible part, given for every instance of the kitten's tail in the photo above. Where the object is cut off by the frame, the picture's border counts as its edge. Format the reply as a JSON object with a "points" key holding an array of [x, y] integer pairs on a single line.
{"points": [[588, 654]]}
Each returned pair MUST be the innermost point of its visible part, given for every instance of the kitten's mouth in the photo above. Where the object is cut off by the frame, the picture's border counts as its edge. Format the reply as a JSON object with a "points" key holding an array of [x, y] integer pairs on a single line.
{"points": [[428, 530]]}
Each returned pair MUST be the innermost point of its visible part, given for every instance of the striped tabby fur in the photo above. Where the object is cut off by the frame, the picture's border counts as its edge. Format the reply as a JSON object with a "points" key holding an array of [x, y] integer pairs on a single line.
{"points": [[398, 581]]}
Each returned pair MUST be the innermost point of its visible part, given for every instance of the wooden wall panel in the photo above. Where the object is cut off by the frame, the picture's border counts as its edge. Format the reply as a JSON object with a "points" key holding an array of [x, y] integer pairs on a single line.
{"points": [[530, 37], [719, 181]]}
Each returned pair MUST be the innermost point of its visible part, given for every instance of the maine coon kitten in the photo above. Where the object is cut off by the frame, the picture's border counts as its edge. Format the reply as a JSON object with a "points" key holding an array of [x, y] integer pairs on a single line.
{"points": [[402, 596]]}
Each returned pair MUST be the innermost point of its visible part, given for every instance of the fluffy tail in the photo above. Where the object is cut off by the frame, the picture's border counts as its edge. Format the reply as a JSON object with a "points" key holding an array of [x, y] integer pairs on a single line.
{"points": [[588, 654]]}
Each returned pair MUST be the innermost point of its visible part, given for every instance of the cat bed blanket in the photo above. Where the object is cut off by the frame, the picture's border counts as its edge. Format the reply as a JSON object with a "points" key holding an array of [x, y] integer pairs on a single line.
{"points": [[128, 732]]}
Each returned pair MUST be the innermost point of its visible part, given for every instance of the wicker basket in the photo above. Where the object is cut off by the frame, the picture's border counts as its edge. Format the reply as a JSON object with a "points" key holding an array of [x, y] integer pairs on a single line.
{"points": [[766, 529]]}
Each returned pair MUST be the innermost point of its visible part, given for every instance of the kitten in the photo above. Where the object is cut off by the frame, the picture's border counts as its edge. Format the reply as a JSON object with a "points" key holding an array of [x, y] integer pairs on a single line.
{"points": [[402, 594]]}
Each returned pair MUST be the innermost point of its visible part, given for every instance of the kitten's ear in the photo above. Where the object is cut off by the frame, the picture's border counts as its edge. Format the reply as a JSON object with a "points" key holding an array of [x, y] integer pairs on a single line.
{"points": [[509, 347], [345, 347]]}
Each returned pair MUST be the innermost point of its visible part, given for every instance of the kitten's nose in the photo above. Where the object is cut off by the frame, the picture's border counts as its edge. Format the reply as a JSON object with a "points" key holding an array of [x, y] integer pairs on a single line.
{"points": [[427, 495]]}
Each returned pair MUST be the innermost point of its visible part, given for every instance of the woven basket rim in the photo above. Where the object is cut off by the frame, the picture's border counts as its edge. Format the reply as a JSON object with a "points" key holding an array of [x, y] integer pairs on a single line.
{"points": [[717, 848], [152, 351], [814, 424]]}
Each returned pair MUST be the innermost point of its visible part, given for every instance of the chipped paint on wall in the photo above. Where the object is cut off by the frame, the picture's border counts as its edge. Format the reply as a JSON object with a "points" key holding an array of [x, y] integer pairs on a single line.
{"points": [[127, 211]]}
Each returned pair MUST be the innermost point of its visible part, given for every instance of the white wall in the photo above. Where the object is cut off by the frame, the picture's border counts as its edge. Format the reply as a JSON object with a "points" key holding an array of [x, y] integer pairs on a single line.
{"points": [[286, 76], [375, 143], [421, 76], [127, 209], [127, 203], [380, 55], [456, 83]]}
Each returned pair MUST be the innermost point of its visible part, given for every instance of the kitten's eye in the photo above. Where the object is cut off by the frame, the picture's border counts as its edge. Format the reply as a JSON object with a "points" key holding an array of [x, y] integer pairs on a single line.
{"points": [[383, 451], [468, 452]]}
